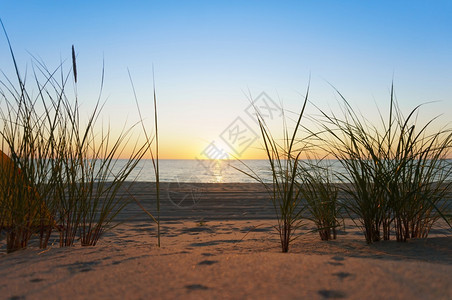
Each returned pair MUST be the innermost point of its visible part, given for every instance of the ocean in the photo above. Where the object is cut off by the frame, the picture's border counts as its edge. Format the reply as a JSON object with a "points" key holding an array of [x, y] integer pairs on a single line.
{"points": [[205, 171], [208, 171]]}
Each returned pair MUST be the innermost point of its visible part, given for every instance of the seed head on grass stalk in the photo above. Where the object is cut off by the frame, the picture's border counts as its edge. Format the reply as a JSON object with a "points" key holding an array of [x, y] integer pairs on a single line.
{"points": [[87, 186], [66, 166]]}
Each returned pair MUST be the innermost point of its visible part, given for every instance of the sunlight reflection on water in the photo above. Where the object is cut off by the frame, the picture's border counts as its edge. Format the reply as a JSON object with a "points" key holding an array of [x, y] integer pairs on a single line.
{"points": [[207, 171]]}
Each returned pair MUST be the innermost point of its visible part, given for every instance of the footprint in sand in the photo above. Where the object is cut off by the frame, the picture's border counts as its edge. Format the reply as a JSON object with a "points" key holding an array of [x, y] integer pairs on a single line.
{"points": [[194, 287], [80, 266], [208, 262], [337, 261], [342, 275], [337, 258], [16, 298], [331, 294]]}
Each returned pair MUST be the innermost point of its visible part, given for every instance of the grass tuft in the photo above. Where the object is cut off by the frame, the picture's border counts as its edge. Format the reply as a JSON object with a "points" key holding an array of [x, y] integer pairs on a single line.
{"points": [[321, 196], [57, 167], [397, 174], [284, 190]]}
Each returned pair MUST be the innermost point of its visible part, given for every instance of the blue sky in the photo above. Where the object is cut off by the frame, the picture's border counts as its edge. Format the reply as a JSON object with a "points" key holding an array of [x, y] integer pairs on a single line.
{"points": [[209, 55]]}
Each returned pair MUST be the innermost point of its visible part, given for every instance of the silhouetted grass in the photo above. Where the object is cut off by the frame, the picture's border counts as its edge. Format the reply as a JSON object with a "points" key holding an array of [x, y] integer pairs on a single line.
{"points": [[397, 174], [60, 173], [284, 190], [321, 195], [150, 140]]}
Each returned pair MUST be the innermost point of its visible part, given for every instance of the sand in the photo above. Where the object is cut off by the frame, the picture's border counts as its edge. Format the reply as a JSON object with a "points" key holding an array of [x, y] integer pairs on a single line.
{"points": [[221, 244]]}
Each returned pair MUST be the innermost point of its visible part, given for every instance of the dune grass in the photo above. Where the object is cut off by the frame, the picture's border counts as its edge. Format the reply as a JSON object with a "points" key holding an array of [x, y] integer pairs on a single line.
{"points": [[25, 167], [396, 180], [284, 191], [321, 195], [60, 176], [56, 167], [397, 173]]}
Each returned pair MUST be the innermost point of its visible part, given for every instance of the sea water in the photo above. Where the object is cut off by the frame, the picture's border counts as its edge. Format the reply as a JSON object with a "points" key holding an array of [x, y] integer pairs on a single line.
{"points": [[206, 171], [212, 171]]}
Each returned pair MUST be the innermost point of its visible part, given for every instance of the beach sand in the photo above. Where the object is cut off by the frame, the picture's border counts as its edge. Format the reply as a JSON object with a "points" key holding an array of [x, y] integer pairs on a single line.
{"points": [[219, 242]]}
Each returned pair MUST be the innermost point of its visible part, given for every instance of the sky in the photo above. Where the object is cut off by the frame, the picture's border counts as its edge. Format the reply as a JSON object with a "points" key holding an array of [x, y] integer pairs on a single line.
{"points": [[212, 59]]}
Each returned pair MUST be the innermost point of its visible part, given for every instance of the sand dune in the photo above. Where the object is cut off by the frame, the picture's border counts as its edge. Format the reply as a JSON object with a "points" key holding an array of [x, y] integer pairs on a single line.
{"points": [[224, 246]]}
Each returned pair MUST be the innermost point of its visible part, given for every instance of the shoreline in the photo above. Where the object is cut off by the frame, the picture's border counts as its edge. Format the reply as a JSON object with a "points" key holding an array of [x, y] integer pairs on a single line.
{"points": [[204, 201]]}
